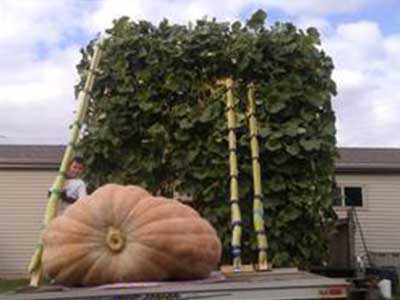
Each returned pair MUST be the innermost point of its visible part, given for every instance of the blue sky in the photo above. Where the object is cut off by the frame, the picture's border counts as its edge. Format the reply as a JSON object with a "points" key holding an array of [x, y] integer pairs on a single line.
{"points": [[40, 42]]}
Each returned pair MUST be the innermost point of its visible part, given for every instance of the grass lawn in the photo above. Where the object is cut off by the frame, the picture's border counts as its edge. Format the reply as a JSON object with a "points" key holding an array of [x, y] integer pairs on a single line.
{"points": [[7, 285]]}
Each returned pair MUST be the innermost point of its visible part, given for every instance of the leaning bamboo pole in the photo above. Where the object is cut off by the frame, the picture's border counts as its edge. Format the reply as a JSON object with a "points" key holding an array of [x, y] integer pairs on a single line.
{"points": [[233, 177], [258, 209], [52, 204]]}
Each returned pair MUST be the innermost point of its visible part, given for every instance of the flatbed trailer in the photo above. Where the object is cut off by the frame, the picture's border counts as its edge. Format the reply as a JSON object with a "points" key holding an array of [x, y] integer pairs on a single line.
{"points": [[278, 284]]}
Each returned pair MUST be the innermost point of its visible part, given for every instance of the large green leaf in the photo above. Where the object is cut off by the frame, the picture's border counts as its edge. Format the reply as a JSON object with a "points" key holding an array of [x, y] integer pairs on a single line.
{"points": [[257, 20], [310, 144]]}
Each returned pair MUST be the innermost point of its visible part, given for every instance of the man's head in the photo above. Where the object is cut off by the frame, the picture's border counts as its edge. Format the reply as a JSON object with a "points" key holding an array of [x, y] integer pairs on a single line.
{"points": [[75, 167]]}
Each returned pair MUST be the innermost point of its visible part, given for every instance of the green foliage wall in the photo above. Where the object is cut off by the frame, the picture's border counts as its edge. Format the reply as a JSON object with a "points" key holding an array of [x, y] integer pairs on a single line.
{"points": [[158, 120]]}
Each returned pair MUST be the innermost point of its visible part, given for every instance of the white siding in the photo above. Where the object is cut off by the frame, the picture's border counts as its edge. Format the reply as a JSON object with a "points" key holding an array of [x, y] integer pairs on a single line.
{"points": [[380, 214], [22, 206], [23, 202]]}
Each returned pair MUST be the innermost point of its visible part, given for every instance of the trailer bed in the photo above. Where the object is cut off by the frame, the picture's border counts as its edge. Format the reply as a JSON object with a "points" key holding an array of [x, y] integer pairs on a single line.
{"points": [[279, 284]]}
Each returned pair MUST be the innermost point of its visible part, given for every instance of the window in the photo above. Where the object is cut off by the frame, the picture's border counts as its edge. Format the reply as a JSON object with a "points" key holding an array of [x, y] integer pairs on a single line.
{"points": [[348, 196], [353, 196]]}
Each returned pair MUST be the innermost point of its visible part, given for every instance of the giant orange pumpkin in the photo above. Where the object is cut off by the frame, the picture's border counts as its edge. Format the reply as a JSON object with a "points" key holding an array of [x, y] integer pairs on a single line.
{"points": [[123, 234]]}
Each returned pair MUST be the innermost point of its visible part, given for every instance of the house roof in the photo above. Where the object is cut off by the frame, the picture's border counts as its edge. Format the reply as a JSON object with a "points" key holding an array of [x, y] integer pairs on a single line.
{"points": [[351, 160], [368, 160], [31, 156]]}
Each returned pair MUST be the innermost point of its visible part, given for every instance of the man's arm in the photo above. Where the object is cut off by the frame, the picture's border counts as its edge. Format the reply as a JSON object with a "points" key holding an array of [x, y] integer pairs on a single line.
{"points": [[63, 197], [67, 199]]}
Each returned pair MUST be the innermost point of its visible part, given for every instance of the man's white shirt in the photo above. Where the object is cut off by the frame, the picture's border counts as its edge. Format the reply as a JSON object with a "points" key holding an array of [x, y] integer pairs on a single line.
{"points": [[75, 188]]}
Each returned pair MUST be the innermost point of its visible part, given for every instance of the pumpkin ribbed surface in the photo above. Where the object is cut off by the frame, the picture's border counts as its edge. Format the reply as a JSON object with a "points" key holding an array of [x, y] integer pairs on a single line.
{"points": [[123, 234]]}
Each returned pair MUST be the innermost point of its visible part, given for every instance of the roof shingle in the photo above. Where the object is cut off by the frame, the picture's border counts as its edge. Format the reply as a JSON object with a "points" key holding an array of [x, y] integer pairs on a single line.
{"points": [[45, 155], [376, 160], [351, 160]]}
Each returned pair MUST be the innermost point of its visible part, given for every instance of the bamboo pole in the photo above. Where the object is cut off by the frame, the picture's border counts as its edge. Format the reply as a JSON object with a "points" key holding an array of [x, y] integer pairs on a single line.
{"points": [[51, 210], [233, 178], [258, 209]]}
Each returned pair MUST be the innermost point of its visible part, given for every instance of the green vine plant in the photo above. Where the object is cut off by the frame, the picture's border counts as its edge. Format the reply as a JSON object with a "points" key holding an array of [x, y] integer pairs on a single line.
{"points": [[157, 119]]}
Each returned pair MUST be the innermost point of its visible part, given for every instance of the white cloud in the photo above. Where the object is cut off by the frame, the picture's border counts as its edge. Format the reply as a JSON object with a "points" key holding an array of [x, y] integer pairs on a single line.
{"points": [[39, 51], [311, 11], [154, 11], [182, 11], [37, 72], [391, 47], [318, 7], [349, 79], [367, 71], [356, 44], [322, 24], [38, 107]]}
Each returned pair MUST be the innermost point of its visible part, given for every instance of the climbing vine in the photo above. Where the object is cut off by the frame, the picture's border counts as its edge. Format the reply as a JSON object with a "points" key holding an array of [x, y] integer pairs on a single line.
{"points": [[157, 119]]}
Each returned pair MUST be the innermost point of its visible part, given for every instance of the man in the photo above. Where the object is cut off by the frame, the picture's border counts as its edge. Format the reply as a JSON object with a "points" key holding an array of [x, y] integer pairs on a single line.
{"points": [[74, 187]]}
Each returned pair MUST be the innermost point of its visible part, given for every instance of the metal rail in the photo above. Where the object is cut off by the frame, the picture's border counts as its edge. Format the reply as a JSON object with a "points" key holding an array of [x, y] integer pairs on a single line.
{"points": [[278, 284]]}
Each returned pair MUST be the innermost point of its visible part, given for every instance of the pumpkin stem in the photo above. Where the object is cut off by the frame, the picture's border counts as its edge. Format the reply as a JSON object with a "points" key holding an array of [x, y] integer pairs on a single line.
{"points": [[115, 240]]}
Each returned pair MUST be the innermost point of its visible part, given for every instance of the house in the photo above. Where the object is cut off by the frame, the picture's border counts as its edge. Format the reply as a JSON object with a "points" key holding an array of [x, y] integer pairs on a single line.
{"points": [[369, 179], [26, 173]]}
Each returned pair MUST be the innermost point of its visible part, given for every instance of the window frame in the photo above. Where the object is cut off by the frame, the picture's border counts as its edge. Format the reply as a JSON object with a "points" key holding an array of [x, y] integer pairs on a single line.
{"points": [[364, 195]]}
